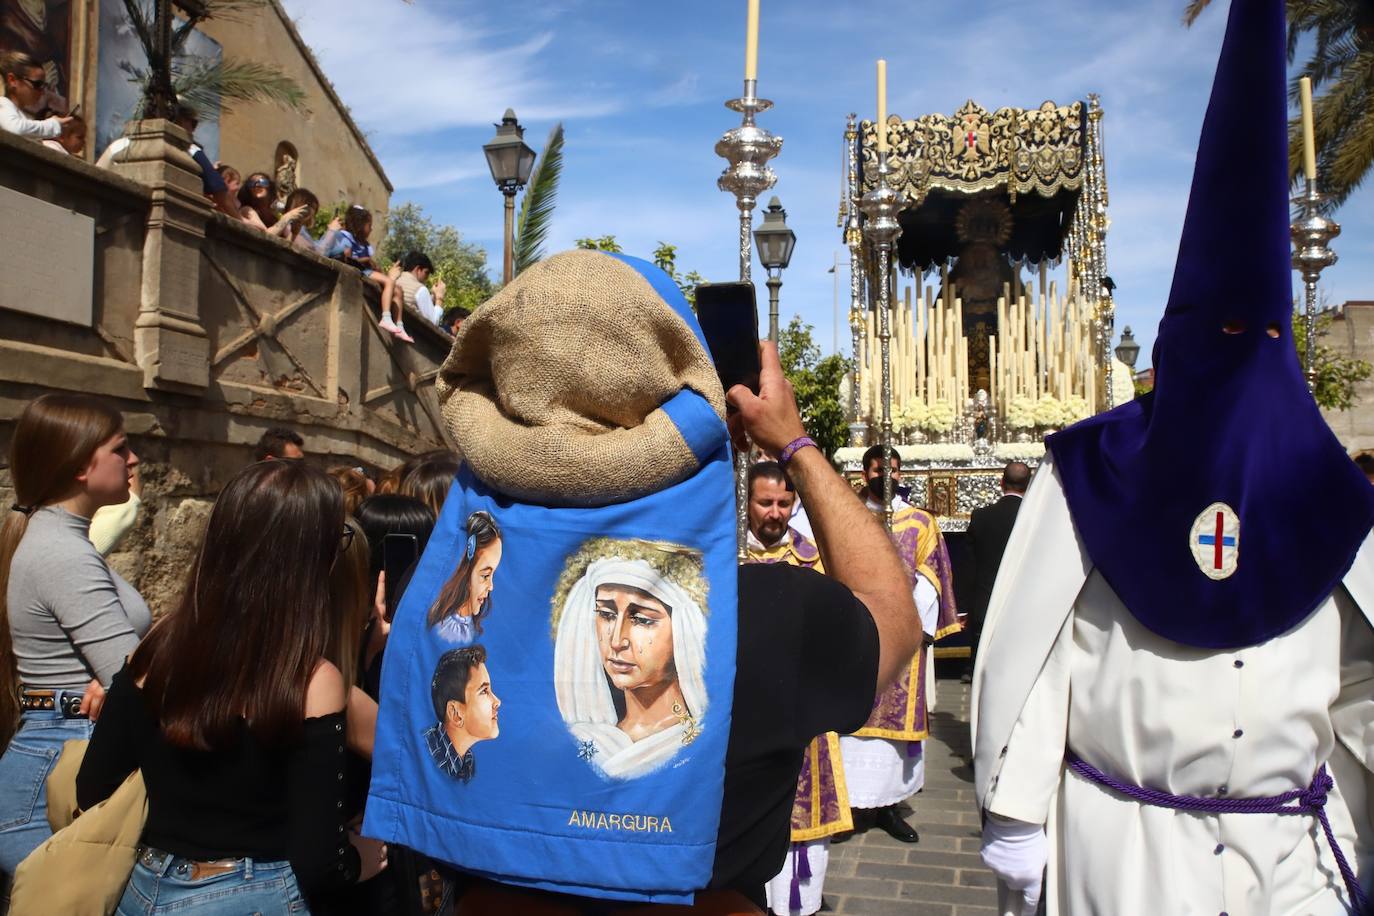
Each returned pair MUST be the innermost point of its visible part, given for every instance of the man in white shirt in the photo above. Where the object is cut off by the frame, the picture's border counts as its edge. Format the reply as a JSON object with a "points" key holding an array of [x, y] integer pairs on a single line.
{"points": [[26, 88], [416, 269]]}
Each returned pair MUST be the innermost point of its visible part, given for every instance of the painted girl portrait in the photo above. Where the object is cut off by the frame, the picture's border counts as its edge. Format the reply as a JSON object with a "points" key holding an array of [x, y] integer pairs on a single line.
{"points": [[465, 600], [629, 627]]}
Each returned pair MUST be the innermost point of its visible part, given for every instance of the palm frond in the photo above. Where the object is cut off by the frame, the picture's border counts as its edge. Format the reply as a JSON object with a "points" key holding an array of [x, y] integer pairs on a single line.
{"points": [[143, 26], [1193, 10], [206, 85], [536, 210]]}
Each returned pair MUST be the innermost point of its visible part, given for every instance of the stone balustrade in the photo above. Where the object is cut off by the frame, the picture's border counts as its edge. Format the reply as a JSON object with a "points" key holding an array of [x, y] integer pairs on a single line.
{"points": [[205, 332]]}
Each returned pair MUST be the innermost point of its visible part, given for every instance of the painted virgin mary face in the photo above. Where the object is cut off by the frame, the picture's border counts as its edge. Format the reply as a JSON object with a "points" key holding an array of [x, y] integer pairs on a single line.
{"points": [[634, 631]]}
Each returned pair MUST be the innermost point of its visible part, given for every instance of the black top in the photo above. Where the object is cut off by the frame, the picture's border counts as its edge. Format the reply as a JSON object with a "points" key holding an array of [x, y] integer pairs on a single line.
{"points": [[989, 529], [253, 801], [806, 663]]}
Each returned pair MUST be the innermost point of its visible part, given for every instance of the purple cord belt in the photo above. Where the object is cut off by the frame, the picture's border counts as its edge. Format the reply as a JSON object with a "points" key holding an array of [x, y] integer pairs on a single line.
{"points": [[1311, 800]]}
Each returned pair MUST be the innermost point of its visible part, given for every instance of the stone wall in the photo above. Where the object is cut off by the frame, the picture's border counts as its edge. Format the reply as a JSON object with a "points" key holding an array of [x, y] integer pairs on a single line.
{"points": [[335, 160], [1352, 334], [202, 331]]}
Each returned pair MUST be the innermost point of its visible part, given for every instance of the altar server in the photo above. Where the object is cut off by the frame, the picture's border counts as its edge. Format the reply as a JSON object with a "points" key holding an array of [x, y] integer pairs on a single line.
{"points": [[884, 761], [1179, 645]]}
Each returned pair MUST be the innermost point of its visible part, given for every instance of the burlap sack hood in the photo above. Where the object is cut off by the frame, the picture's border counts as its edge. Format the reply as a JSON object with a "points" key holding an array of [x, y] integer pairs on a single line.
{"points": [[553, 388]]}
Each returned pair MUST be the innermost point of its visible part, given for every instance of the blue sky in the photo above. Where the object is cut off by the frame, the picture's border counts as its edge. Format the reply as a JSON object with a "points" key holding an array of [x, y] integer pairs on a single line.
{"points": [[639, 87]]}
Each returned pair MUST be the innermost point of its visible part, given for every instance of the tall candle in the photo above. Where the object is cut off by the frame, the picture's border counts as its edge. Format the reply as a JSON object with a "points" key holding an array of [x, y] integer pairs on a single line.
{"points": [[1309, 143], [882, 106]]}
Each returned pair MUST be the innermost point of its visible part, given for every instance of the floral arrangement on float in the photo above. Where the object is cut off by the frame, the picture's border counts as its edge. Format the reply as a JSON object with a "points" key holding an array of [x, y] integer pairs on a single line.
{"points": [[1048, 412], [1076, 408], [939, 418], [937, 451], [1021, 413], [1019, 451], [910, 417]]}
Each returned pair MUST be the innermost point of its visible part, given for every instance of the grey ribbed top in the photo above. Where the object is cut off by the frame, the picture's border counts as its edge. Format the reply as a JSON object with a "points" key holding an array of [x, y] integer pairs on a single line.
{"points": [[71, 616]]}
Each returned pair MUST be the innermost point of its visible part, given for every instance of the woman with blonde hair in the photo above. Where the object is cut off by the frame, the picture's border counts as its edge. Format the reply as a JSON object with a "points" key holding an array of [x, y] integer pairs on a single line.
{"points": [[67, 621]]}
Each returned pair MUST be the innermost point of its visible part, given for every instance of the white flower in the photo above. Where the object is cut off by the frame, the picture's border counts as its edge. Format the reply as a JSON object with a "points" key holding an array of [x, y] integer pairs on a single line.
{"points": [[939, 451], [1019, 451], [1048, 411], [1123, 383], [1021, 413], [939, 417], [1076, 408]]}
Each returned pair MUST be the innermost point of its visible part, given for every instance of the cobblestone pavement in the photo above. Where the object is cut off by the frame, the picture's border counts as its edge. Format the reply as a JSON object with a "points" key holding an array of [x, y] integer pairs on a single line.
{"points": [[874, 875]]}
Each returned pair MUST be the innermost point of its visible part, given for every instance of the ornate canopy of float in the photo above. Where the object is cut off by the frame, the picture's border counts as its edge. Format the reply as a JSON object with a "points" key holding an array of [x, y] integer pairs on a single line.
{"points": [[999, 306]]}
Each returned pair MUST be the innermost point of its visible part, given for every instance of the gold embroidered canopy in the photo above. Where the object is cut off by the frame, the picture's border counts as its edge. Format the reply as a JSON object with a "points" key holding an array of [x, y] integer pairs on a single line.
{"points": [[1016, 150]]}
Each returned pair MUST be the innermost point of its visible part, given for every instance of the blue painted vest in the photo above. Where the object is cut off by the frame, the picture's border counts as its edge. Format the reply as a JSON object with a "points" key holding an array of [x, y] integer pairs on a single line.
{"points": [[557, 685]]}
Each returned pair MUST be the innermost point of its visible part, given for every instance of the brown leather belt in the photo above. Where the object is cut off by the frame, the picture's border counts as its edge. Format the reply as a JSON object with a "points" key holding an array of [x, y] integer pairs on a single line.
{"points": [[67, 702]]}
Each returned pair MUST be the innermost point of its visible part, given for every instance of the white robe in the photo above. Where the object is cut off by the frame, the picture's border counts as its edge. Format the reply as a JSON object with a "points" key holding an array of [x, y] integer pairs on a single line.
{"points": [[878, 771], [1066, 665]]}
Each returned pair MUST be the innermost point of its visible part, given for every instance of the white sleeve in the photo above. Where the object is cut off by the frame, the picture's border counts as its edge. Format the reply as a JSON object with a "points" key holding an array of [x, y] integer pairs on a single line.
{"points": [[425, 303], [1028, 772], [16, 122], [927, 604]]}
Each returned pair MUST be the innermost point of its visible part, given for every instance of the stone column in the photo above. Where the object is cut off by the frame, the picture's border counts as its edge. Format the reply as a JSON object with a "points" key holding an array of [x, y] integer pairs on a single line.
{"points": [[170, 343]]}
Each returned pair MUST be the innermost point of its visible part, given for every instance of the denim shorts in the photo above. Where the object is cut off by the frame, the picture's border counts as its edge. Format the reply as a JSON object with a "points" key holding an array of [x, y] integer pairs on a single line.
{"points": [[24, 770], [162, 883]]}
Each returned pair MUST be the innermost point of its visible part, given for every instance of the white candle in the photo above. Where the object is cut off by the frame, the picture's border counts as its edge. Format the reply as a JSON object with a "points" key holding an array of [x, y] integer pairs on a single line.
{"points": [[882, 106], [751, 42], [1309, 143]]}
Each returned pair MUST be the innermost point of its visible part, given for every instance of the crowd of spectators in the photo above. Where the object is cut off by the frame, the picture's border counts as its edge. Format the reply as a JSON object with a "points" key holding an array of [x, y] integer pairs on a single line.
{"points": [[31, 109]]}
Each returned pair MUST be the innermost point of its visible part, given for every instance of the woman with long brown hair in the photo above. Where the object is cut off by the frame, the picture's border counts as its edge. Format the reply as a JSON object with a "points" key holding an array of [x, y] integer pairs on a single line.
{"points": [[234, 709], [67, 620]]}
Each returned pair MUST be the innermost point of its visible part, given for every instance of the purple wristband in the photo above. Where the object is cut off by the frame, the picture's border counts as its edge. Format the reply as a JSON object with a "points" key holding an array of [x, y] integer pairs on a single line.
{"points": [[795, 446]]}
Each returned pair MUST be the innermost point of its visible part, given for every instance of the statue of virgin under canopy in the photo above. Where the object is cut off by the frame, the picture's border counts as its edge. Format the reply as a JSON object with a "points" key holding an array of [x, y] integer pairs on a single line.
{"points": [[629, 626]]}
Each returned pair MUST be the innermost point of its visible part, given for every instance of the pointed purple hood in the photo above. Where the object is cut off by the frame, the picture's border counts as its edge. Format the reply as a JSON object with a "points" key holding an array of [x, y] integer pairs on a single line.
{"points": [[1230, 421]]}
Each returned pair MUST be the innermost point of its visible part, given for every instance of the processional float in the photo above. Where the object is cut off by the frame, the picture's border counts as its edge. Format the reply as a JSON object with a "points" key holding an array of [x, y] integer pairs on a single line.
{"points": [[1002, 217]]}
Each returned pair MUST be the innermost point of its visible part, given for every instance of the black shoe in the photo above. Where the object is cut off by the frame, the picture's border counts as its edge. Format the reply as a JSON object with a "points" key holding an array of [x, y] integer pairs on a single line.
{"points": [[898, 829], [838, 838]]}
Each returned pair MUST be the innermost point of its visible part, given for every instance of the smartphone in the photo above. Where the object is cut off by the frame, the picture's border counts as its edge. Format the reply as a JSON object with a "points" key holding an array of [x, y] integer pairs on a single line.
{"points": [[729, 318], [400, 552]]}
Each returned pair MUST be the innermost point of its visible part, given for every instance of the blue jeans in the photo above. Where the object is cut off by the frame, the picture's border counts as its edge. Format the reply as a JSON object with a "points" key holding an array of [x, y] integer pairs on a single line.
{"points": [[162, 883], [24, 770]]}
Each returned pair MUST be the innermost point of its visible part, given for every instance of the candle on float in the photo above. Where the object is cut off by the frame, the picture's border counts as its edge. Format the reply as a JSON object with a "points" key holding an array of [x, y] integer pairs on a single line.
{"points": [[882, 106], [1309, 143], [751, 42]]}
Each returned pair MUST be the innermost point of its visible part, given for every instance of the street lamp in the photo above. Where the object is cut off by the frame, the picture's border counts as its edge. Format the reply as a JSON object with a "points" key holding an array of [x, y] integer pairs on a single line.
{"points": [[511, 162], [1128, 349], [775, 243]]}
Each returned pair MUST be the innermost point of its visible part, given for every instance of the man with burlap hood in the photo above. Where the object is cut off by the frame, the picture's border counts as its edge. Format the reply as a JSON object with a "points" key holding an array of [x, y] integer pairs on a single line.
{"points": [[567, 389]]}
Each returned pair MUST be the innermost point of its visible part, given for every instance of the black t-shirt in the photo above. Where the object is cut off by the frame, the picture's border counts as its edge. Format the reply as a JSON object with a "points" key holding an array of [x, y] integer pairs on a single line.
{"points": [[806, 663]]}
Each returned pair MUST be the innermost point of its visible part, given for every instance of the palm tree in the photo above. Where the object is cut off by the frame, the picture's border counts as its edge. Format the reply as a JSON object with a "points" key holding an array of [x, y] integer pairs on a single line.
{"points": [[1341, 63], [207, 85], [536, 209]]}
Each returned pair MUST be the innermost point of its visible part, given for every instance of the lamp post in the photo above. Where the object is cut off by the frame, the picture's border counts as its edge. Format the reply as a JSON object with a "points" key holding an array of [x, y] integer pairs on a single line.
{"points": [[775, 243], [511, 162], [1128, 350]]}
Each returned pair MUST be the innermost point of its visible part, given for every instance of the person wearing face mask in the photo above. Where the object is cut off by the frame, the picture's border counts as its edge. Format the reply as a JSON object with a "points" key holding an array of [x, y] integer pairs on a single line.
{"points": [[883, 761]]}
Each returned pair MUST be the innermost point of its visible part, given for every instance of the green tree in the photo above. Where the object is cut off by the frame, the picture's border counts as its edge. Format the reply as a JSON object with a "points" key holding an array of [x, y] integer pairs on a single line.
{"points": [[536, 208], [461, 265], [1337, 374], [211, 86], [816, 383], [665, 258], [605, 243], [1341, 63]]}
